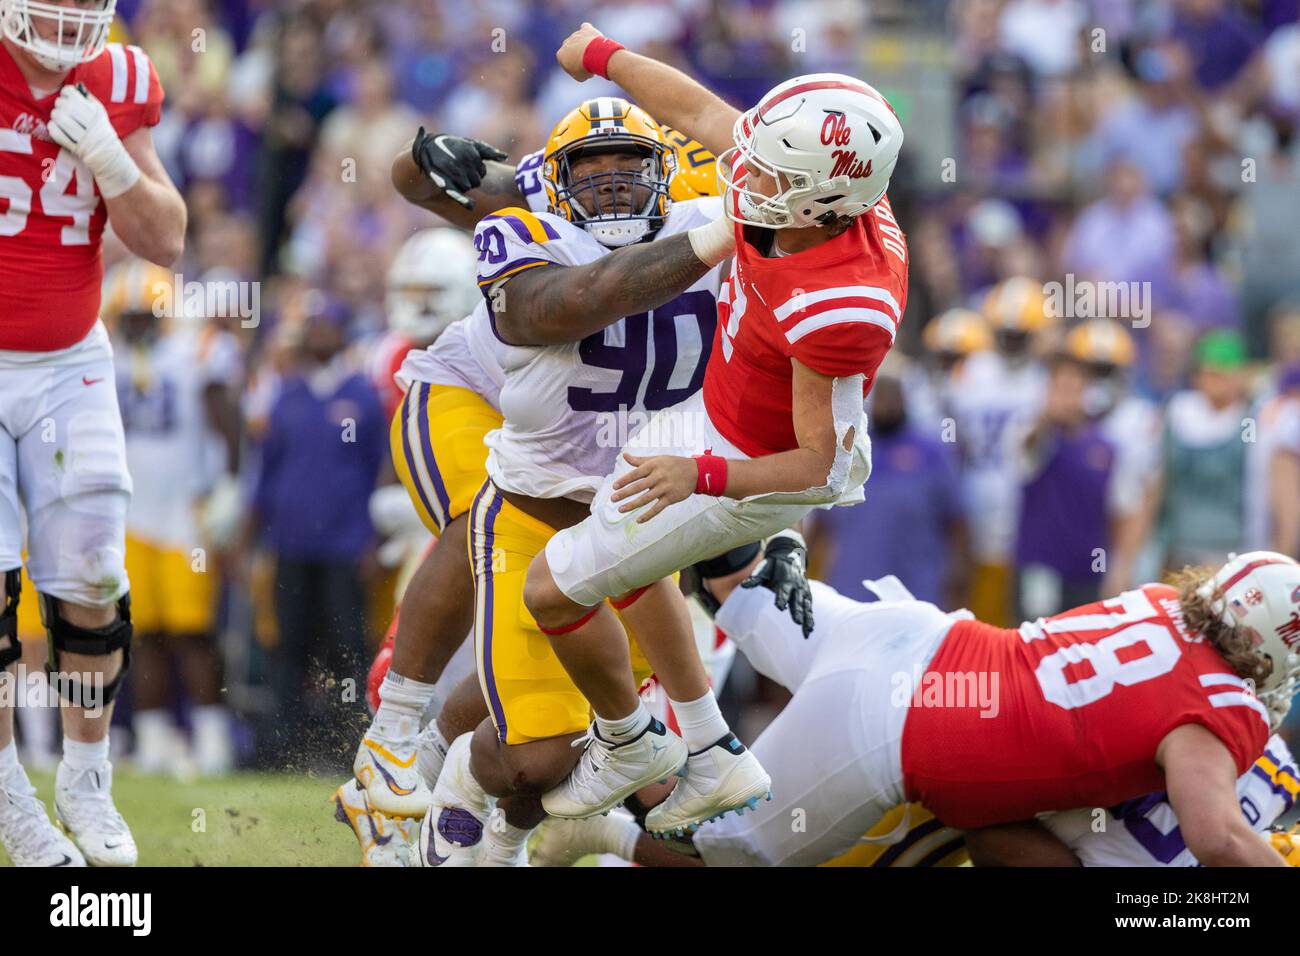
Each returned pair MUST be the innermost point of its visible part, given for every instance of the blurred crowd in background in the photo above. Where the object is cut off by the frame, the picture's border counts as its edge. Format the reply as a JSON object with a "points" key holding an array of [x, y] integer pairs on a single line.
{"points": [[1034, 448]]}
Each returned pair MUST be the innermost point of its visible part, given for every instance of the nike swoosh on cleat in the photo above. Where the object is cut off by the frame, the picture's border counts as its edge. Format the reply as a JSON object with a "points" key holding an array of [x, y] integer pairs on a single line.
{"points": [[67, 861], [392, 784], [389, 755]]}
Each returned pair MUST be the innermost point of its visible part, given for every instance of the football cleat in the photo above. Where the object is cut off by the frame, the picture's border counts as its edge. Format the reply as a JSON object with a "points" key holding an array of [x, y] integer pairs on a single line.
{"points": [[451, 833], [607, 773], [564, 842], [83, 803], [28, 836], [386, 768], [384, 840], [723, 777]]}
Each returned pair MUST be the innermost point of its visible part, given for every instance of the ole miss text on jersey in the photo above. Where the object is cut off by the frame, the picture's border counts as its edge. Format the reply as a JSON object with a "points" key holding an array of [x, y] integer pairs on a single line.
{"points": [[834, 307], [51, 213]]}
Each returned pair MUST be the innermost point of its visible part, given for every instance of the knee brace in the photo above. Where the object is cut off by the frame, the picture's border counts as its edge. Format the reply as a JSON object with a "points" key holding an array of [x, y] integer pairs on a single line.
{"points": [[10, 649], [90, 641], [724, 564]]}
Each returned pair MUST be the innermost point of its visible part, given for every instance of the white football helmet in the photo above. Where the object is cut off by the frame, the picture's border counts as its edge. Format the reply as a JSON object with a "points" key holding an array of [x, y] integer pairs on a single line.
{"points": [[431, 283], [1260, 592], [832, 138], [80, 32]]}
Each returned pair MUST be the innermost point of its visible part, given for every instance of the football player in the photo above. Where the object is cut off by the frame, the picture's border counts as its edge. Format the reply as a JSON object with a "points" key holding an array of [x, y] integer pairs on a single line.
{"points": [[820, 789], [449, 403], [177, 378], [75, 153], [999, 389], [603, 311], [807, 314]]}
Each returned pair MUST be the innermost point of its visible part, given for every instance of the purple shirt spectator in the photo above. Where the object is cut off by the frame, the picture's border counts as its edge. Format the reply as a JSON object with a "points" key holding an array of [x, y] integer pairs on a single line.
{"points": [[912, 498]]}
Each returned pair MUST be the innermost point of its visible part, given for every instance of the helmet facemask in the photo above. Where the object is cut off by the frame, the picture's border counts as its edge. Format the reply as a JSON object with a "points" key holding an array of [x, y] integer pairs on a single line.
{"points": [[79, 33], [617, 207]]}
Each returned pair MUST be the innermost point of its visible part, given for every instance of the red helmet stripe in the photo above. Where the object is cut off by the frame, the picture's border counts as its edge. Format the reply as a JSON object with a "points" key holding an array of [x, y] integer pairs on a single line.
{"points": [[853, 85], [1253, 566]]}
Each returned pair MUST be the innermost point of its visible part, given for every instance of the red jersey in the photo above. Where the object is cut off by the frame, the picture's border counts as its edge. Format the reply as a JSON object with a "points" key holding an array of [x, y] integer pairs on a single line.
{"points": [[51, 213], [1083, 700], [834, 307]]}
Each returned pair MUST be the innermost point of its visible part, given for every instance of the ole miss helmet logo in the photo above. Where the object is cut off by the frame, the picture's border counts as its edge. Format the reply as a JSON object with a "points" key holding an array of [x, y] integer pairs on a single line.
{"points": [[1290, 630], [835, 130]]}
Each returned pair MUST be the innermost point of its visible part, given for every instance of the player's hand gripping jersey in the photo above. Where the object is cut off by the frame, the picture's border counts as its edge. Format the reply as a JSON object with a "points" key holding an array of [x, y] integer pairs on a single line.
{"points": [[1083, 701], [569, 408], [835, 308], [51, 213]]}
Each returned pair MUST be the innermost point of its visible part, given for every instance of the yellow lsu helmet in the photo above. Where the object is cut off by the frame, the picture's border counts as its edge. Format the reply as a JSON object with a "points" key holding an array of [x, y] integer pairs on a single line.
{"points": [[603, 125], [957, 332], [1101, 342], [1017, 304], [1287, 843], [697, 168], [136, 287]]}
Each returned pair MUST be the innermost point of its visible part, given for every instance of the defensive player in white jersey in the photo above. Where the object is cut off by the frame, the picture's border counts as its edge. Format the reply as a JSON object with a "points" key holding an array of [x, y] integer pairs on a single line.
{"points": [[76, 153], [997, 389], [448, 403], [177, 378], [590, 340]]}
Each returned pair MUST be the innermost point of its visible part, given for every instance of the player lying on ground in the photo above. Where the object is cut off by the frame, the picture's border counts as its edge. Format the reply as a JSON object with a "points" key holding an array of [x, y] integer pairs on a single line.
{"points": [[75, 154], [817, 759], [811, 307], [450, 404]]}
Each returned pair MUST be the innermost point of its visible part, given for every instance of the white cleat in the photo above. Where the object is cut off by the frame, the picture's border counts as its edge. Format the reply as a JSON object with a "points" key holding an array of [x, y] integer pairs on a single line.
{"points": [[608, 773], [721, 778], [564, 842], [28, 836], [451, 833], [83, 803], [386, 768], [384, 840]]}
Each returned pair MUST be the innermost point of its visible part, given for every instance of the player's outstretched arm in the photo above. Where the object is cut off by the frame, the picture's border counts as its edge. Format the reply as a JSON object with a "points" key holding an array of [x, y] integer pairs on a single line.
{"points": [[1201, 777], [461, 180], [666, 93], [554, 304]]}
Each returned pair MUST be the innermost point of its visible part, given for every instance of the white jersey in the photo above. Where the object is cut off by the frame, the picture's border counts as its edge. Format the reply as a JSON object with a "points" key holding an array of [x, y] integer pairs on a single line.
{"points": [[172, 453], [1144, 832], [990, 395], [570, 408], [464, 355]]}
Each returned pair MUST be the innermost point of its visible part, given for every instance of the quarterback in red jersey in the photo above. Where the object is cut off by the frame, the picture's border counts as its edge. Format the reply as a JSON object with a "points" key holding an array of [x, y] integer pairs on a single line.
{"points": [[817, 288], [75, 153]]}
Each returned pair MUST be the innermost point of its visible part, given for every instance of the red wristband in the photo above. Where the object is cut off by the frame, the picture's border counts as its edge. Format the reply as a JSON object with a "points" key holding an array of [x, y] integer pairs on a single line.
{"points": [[712, 478], [595, 58]]}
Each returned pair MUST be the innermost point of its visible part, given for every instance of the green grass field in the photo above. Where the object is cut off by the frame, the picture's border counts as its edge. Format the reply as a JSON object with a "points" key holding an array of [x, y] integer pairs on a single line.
{"points": [[243, 820]]}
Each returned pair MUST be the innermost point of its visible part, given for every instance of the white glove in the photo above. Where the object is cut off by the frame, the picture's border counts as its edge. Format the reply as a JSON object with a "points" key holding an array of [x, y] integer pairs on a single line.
{"points": [[80, 124], [714, 241]]}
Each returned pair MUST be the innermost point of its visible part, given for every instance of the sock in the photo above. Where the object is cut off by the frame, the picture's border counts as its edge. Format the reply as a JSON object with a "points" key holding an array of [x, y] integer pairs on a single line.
{"points": [[82, 756], [401, 704], [8, 757], [626, 728], [431, 753], [505, 834], [616, 833], [701, 722], [36, 717]]}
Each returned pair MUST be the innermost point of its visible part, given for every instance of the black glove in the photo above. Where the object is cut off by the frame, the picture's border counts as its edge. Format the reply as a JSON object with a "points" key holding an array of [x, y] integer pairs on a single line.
{"points": [[782, 572], [454, 164]]}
